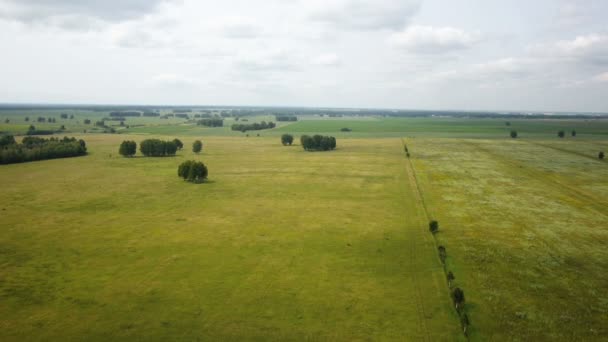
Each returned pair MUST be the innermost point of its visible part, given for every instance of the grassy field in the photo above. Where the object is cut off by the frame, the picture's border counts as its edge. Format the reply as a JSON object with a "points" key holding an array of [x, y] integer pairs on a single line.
{"points": [[525, 224], [281, 244]]}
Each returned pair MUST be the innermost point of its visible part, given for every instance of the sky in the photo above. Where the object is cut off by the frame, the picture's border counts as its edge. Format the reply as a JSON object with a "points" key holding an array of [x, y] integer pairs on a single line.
{"points": [[542, 55]]}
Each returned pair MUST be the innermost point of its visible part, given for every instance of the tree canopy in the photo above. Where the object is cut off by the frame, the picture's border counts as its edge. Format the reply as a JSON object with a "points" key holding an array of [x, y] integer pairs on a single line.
{"points": [[157, 148], [128, 148], [286, 139], [318, 143], [193, 171], [197, 146]]}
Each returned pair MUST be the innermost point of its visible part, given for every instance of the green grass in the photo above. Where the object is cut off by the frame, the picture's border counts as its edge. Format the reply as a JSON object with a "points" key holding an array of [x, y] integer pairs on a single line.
{"points": [[525, 225], [280, 244]]}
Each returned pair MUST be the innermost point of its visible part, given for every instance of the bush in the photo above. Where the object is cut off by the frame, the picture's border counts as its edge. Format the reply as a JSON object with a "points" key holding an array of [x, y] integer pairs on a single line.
{"points": [[513, 134], [346, 129], [434, 226], [64, 116], [318, 143], [450, 278], [87, 121], [573, 133], [7, 140], [442, 254], [157, 148], [600, 156], [197, 146], [561, 134], [286, 139], [128, 148], [192, 171]]}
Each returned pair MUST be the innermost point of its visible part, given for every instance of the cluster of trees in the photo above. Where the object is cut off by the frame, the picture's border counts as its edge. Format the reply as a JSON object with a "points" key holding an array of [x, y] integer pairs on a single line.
{"points": [[193, 171], [87, 121], [65, 116], [178, 143], [562, 133], [151, 114], [124, 114], [287, 139], [157, 148], [33, 131], [211, 122], [43, 119], [286, 118], [35, 148], [253, 127], [318, 143]]}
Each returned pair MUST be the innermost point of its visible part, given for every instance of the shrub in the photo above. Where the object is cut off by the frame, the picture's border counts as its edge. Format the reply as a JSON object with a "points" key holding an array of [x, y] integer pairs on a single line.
{"points": [[197, 146], [87, 121], [128, 148], [573, 133], [157, 148], [286, 139], [434, 226], [513, 134], [561, 134], [346, 129], [64, 116], [192, 171], [442, 254], [600, 155], [7, 140], [27, 118], [450, 278]]}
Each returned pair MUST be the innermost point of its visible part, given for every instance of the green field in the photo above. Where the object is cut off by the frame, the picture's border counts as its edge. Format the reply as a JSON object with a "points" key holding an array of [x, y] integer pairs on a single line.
{"points": [[283, 244]]}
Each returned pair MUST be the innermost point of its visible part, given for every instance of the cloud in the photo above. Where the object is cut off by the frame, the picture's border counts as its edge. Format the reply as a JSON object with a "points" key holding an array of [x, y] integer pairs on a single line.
{"points": [[237, 27], [267, 61], [365, 15], [429, 39], [591, 48], [75, 14], [173, 81], [603, 77], [330, 59]]}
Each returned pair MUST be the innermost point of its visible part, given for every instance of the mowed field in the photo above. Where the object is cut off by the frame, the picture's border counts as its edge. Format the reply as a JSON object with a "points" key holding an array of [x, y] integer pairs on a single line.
{"points": [[280, 244]]}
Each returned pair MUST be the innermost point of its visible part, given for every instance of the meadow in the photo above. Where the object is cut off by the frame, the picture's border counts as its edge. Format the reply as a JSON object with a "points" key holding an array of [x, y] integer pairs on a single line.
{"points": [[283, 244]]}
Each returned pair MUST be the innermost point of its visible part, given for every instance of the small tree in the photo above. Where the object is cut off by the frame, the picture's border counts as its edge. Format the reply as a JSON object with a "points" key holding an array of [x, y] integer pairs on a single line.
{"points": [[27, 118], [178, 143], [434, 226], [458, 297], [513, 134], [87, 121], [7, 121], [464, 323], [451, 278], [286, 139], [128, 148], [62, 127], [197, 147], [561, 134], [573, 133], [507, 123], [600, 155], [442, 254]]}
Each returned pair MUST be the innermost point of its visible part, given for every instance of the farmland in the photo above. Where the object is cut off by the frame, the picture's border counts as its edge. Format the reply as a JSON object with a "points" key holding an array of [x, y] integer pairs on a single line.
{"points": [[283, 244]]}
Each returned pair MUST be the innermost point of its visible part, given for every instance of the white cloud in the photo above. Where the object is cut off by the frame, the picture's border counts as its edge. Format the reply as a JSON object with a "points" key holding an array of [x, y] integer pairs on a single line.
{"points": [[330, 59], [428, 39], [603, 77], [365, 15], [591, 48]]}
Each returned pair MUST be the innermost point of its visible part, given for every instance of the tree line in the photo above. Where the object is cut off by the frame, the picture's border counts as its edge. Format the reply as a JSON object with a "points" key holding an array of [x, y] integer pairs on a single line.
{"points": [[156, 147], [286, 118], [318, 143], [253, 127], [36, 148], [211, 122]]}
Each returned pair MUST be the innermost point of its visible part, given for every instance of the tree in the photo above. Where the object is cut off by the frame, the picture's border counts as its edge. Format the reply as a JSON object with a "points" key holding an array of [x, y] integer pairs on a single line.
{"points": [[345, 129], [513, 134], [157, 148], [318, 143], [6, 140], [442, 254], [434, 226], [601, 155], [87, 121], [287, 139], [507, 123], [193, 171], [464, 322], [7, 121], [128, 148], [197, 147], [458, 297], [178, 143], [451, 278], [64, 116], [561, 134], [573, 133], [27, 118], [62, 127]]}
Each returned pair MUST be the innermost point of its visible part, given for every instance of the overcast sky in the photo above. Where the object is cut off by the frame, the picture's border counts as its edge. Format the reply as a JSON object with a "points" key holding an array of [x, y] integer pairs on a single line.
{"points": [[429, 54]]}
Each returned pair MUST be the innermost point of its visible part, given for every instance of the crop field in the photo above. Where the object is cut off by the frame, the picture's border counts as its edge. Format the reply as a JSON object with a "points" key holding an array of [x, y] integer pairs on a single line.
{"points": [[284, 244]]}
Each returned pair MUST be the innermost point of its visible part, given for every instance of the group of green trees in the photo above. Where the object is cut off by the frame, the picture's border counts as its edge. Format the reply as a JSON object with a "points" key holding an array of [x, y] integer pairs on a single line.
{"points": [[318, 143], [33, 131], [35, 148], [287, 139], [253, 127], [286, 118], [193, 171], [211, 122], [156, 147]]}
